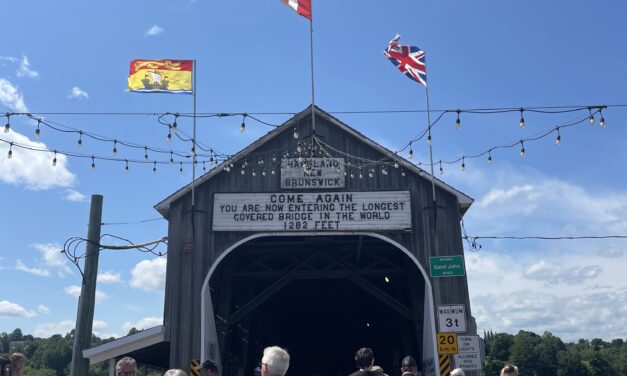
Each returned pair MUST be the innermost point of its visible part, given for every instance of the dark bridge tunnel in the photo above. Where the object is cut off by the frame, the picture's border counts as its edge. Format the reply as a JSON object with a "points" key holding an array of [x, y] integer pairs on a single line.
{"points": [[322, 298]]}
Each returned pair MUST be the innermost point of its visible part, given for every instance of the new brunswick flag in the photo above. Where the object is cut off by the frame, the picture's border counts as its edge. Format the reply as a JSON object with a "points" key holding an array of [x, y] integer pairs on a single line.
{"points": [[161, 76]]}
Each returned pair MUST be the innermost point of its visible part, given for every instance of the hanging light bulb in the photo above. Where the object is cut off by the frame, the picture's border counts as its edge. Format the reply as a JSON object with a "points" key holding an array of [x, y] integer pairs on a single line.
{"points": [[421, 171], [602, 120], [558, 140], [54, 160], [38, 131], [242, 128], [411, 151], [295, 133], [463, 167], [361, 176], [522, 148], [115, 149], [458, 122], [384, 170], [7, 126], [254, 172], [396, 164], [126, 166], [93, 162], [204, 167], [174, 126], [181, 168], [273, 157], [154, 167], [273, 172], [168, 138], [263, 172], [429, 139], [441, 169], [522, 119], [79, 143], [146, 153], [10, 153], [299, 148], [591, 116], [243, 171], [489, 157], [371, 173], [352, 175], [171, 157], [402, 172]]}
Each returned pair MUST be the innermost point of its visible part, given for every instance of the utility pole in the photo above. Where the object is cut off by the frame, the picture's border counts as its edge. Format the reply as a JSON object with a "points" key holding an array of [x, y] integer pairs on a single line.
{"points": [[86, 301]]}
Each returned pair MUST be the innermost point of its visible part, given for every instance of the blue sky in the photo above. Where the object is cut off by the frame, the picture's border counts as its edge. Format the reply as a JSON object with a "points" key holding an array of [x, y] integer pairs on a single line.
{"points": [[253, 56]]}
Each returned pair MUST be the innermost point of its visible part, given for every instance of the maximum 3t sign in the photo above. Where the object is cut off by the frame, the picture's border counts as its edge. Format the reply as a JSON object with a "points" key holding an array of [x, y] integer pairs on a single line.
{"points": [[452, 318]]}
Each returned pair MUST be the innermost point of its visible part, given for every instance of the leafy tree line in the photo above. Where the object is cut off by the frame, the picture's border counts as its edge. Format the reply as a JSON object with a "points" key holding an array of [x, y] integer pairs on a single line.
{"points": [[547, 355], [50, 356]]}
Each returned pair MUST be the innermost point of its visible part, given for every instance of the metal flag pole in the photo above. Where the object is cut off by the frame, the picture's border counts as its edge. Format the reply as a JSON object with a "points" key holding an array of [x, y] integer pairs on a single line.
{"points": [[194, 139], [430, 150], [311, 53]]}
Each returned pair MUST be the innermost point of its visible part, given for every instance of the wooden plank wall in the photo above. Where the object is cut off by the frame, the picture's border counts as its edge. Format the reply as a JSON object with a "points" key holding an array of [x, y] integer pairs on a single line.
{"points": [[186, 271]]}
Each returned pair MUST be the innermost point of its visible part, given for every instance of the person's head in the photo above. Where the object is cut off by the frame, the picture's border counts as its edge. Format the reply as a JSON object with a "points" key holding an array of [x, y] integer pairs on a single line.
{"points": [[275, 361], [208, 368], [17, 361], [409, 366], [257, 371], [364, 358], [458, 372], [509, 370], [175, 372], [125, 367], [4, 365]]}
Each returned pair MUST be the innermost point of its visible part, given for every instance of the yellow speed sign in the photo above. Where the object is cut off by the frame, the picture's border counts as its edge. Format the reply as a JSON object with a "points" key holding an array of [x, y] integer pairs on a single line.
{"points": [[447, 343]]}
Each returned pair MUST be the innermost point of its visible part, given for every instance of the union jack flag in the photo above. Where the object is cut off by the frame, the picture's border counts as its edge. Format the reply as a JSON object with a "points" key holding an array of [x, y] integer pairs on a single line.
{"points": [[410, 60]]}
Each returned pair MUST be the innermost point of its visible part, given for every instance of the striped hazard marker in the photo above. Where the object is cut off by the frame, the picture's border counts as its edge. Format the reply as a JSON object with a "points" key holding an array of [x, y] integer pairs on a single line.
{"points": [[445, 365], [193, 367]]}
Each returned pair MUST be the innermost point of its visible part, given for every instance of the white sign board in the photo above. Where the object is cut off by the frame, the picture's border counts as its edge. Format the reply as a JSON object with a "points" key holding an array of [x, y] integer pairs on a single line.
{"points": [[312, 173], [310, 211], [469, 356], [452, 318]]}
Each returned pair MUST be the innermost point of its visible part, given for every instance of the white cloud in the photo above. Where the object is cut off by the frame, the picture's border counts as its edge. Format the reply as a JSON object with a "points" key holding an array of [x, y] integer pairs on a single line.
{"points": [[551, 273], [77, 92], [149, 275], [25, 70], [145, 323], [109, 277], [53, 258], [32, 168], [76, 196], [43, 309], [9, 309], [10, 97], [75, 291], [19, 265], [48, 329], [154, 31], [610, 250]]}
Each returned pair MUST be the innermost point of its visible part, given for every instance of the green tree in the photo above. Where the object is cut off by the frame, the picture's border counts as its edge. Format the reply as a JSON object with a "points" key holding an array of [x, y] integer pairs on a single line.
{"points": [[546, 354], [599, 366], [569, 364], [523, 353], [54, 352], [28, 371]]}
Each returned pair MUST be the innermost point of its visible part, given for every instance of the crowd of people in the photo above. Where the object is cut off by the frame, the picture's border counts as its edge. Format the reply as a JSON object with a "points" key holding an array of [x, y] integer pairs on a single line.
{"points": [[274, 362]]}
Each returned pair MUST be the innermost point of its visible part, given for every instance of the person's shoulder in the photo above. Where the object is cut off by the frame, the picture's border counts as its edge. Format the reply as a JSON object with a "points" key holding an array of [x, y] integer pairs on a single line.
{"points": [[362, 373]]}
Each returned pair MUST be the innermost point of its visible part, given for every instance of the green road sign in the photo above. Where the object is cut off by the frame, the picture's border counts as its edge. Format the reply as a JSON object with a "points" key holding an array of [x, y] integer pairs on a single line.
{"points": [[447, 266]]}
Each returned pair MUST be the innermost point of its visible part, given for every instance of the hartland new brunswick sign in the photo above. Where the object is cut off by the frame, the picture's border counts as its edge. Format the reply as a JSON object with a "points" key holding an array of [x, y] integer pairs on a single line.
{"points": [[312, 211], [320, 173]]}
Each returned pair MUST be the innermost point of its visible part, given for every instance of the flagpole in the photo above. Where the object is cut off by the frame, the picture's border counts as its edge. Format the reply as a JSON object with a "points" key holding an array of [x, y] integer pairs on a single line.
{"points": [[311, 53], [430, 148], [194, 140]]}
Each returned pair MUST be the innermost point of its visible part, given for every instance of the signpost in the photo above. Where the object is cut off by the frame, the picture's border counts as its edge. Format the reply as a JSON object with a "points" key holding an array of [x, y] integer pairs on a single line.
{"points": [[320, 173], [447, 343], [469, 356], [447, 266], [452, 318], [310, 211]]}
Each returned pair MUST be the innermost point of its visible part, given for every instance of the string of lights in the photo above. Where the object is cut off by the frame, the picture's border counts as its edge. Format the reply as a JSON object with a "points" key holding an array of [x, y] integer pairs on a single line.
{"points": [[132, 222], [321, 148]]}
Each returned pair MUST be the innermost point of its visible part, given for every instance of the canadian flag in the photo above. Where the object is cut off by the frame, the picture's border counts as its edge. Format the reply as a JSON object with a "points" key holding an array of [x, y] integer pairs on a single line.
{"points": [[302, 7]]}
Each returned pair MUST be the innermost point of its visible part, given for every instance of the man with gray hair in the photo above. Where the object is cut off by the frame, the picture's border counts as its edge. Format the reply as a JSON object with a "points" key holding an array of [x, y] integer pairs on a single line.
{"points": [[175, 372], [275, 361], [458, 372], [125, 367]]}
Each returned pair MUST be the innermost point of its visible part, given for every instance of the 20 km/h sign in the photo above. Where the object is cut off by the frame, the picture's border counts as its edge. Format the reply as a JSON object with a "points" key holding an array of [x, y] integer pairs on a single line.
{"points": [[447, 343]]}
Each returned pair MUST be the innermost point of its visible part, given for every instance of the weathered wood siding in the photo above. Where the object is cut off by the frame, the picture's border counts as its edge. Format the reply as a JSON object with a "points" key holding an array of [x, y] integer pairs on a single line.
{"points": [[186, 271]]}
